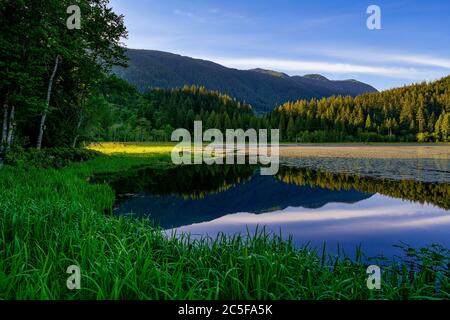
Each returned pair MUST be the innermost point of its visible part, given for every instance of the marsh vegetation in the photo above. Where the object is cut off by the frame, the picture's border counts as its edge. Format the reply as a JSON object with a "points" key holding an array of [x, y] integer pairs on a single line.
{"points": [[51, 218]]}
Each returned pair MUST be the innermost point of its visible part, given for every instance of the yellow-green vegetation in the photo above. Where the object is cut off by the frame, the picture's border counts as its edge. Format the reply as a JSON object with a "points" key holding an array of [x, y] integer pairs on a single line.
{"points": [[53, 218], [131, 148]]}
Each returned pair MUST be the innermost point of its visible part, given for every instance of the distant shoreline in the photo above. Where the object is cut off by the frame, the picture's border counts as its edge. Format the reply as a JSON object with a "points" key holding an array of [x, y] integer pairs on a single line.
{"points": [[377, 150], [373, 150]]}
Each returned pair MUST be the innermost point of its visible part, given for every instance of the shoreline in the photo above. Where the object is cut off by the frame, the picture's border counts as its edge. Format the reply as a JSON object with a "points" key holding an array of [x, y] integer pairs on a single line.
{"points": [[375, 151]]}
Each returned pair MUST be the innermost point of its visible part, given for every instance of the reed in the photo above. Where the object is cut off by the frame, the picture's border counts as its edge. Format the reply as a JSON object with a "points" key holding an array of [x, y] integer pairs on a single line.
{"points": [[50, 219]]}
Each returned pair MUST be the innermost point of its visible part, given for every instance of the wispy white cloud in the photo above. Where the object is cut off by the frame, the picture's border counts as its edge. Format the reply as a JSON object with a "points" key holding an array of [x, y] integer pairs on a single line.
{"points": [[422, 60], [210, 15], [376, 56], [224, 14], [299, 66], [183, 13]]}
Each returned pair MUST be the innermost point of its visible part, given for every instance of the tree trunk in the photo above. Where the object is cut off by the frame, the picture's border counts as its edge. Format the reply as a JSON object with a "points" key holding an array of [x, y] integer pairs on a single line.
{"points": [[5, 126], [10, 137], [75, 140], [47, 105], [80, 121]]}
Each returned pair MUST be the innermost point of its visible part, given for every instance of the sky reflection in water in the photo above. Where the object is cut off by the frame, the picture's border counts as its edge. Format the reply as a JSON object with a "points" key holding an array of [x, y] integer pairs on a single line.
{"points": [[312, 207], [376, 223]]}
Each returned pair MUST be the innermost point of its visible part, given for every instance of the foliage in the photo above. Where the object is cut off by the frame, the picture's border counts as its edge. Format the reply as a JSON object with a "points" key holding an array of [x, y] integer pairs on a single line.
{"points": [[263, 89], [419, 112], [126, 115], [33, 36], [50, 219], [377, 117], [86, 103], [48, 158], [134, 148]]}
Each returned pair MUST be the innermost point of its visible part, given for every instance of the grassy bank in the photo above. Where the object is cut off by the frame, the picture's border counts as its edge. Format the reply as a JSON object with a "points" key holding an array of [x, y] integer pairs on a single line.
{"points": [[50, 219], [143, 148]]}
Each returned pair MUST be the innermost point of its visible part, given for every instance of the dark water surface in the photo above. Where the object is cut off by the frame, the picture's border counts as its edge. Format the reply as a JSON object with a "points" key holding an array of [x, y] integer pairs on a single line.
{"points": [[311, 206]]}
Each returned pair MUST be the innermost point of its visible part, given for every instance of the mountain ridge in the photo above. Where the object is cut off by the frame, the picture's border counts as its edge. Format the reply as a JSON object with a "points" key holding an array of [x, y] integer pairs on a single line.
{"points": [[262, 88]]}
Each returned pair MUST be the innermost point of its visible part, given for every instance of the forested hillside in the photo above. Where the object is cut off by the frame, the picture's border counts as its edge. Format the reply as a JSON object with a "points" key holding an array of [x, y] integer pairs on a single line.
{"points": [[413, 113], [56, 90], [263, 89], [48, 71], [418, 112], [124, 114]]}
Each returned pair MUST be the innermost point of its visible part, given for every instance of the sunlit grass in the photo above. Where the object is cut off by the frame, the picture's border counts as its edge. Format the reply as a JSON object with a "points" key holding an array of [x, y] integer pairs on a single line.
{"points": [[132, 148], [144, 148]]}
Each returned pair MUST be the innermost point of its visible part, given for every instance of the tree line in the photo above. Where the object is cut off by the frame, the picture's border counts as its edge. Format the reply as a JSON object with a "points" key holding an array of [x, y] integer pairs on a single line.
{"points": [[419, 112], [57, 90], [124, 114], [423, 192]]}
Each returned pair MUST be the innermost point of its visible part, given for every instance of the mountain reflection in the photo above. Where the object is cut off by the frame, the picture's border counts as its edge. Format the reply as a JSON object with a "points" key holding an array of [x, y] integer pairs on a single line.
{"points": [[185, 195]]}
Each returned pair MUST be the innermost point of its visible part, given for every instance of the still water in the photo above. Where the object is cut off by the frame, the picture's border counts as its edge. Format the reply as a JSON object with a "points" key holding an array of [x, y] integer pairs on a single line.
{"points": [[310, 206]]}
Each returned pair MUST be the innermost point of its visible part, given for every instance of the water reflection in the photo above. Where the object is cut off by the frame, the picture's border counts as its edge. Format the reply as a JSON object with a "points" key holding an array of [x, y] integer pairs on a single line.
{"points": [[375, 224], [312, 206], [423, 192], [417, 169], [194, 194]]}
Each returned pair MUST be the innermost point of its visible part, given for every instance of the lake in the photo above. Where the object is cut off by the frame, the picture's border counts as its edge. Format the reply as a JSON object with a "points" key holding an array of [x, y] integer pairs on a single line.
{"points": [[310, 206]]}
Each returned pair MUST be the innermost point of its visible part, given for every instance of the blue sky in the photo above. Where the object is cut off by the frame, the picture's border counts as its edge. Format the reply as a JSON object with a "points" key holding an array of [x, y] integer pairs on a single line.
{"points": [[300, 37]]}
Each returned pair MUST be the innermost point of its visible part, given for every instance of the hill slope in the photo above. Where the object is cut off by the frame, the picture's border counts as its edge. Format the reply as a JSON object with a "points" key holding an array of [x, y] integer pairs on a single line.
{"points": [[419, 112], [263, 89]]}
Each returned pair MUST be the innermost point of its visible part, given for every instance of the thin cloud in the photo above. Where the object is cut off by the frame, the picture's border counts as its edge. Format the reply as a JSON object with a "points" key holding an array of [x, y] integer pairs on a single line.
{"points": [[183, 13], [423, 60], [297, 66], [377, 57], [223, 14]]}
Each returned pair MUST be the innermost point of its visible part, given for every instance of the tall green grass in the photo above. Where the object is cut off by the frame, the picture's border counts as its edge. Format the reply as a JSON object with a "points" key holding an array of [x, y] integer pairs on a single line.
{"points": [[50, 219]]}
